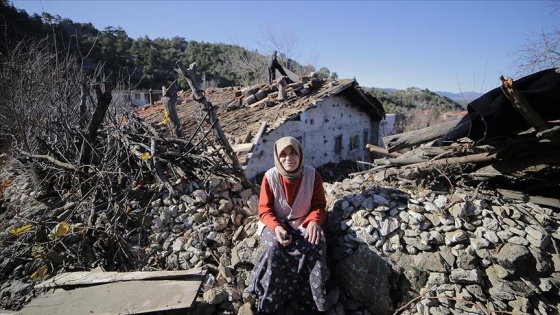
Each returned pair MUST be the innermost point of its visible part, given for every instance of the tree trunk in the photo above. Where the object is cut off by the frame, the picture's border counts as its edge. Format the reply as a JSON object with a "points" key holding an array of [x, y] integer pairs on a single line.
{"points": [[169, 99], [103, 101]]}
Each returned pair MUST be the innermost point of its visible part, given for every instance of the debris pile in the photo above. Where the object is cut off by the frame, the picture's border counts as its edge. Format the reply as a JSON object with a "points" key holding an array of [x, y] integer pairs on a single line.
{"points": [[270, 95], [425, 250], [422, 232], [471, 251]]}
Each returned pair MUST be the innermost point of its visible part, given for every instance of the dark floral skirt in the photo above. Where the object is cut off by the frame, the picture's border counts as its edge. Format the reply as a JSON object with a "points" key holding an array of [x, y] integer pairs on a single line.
{"points": [[294, 272]]}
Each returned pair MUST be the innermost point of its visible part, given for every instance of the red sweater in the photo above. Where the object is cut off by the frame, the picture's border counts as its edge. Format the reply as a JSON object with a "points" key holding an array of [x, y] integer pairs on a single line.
{"points": [[317, 212]]}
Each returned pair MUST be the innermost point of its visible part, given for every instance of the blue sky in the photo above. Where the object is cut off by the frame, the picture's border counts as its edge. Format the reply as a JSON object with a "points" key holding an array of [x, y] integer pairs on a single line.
{"points": [[453, 46]]}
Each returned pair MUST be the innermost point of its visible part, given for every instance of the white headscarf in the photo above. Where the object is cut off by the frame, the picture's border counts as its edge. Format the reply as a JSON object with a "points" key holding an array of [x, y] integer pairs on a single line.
{"points": [[280, 145]]}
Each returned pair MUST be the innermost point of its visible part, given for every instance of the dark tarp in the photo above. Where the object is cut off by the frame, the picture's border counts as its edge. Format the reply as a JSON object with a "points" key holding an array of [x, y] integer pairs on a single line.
{"points": [[492, 115]]}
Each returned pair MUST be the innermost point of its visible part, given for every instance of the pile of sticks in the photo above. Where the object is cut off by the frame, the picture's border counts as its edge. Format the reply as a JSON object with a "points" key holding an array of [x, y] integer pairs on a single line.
{"points": [[524, 165]]}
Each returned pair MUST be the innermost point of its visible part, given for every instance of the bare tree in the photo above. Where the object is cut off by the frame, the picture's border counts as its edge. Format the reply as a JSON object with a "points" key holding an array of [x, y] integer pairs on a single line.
{"points": [[252, 65], [34, 89], [283, 41], [543, 50], [312, 63], [249, 64]]}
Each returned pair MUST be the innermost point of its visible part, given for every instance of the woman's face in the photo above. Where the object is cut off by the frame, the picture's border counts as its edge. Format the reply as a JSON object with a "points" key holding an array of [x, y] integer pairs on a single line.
{"points": [[289, 158]]}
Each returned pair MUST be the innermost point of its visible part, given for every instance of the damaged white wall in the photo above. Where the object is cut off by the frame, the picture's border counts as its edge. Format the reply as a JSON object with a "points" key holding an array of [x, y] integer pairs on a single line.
{"points": [[138, 98], [333, 131], [386, 128]]}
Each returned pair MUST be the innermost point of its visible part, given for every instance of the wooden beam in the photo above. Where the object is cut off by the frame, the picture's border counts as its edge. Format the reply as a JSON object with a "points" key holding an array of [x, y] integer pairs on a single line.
{"points": [[383, 151], [411, 138], [420, 155], [473, 158], [552, 202], [242, 147], [516, 164], [199, 96], [260, 133], [552, 132]]}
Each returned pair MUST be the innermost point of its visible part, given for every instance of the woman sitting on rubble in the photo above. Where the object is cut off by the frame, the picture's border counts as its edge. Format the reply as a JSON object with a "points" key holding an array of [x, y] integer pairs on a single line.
{"points": [[292, 205]]}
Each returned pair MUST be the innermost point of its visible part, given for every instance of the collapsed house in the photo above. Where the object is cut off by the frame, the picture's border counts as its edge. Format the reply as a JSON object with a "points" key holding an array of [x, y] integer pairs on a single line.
{"points": [[513, 129], [334, 120], [426, 231]]}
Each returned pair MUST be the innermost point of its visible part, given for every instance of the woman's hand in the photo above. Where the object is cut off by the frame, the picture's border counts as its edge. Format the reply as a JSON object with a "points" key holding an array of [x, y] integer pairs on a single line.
{"points": [[282, 235], [313, 233]]}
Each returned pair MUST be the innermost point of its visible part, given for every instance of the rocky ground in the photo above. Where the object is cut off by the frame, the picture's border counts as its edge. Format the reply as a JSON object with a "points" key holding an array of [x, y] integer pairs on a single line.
{"points": [[422, 239], [408, 243]]}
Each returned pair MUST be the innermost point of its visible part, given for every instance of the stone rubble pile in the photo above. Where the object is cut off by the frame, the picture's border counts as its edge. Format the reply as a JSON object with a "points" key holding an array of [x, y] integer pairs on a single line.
{"points": [[469, 252], [391, 247]]}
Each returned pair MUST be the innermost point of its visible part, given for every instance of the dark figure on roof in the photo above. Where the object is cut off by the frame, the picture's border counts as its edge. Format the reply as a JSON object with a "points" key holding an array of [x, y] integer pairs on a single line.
{"points": [[272, 66]]}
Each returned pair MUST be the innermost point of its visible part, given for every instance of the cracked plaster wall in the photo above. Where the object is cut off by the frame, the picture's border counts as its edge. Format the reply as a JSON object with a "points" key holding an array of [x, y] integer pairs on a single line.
{"points": [[318, 129]]}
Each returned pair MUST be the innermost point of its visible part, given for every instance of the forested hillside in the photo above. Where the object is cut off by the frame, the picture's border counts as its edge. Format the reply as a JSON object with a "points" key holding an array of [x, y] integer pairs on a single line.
{"points": [[145, 63], [398, 100], [415, 108]]}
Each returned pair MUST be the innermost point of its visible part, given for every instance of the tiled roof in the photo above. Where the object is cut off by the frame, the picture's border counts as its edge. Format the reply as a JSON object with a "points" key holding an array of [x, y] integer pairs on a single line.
{"points": [[239, 122]]}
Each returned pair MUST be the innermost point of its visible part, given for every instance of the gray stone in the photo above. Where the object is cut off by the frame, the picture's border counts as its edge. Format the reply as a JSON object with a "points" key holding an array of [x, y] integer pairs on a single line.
{"points": [[476, 291], [478, 243], [447, 256], [509, 222], [518, 240], [360, 218], [455, 237], [466, 260], [243, 254], [547, 284], [415, 208], [521, 304], [431, 261], [214, 296], [491, 224], [459, 210], [518, 232], [436, 237], [388, 226], [515, 258], [414, 242], [368, 203], [472, 276], [380, 200], [447, 220], [492, 237], [366, 237], [253, 204], [544, 263], [434, 218], [373, 272], [508, 289], [436, 278], [416, 216]]}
